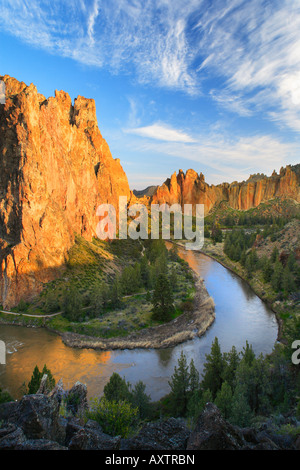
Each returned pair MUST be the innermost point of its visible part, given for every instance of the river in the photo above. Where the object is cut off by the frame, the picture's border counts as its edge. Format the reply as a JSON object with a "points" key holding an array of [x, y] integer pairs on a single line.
{"points": [[240, 316]]}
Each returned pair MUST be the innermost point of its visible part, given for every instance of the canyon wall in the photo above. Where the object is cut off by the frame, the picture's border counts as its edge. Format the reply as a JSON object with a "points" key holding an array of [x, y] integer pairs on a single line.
{"points": [[55, 169], [191, 188]]}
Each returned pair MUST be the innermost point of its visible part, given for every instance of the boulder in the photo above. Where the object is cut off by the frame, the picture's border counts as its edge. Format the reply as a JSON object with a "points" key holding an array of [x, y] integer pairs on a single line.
{"points": [[212, 432], [77, 399], [91, 437], [169, 434]]}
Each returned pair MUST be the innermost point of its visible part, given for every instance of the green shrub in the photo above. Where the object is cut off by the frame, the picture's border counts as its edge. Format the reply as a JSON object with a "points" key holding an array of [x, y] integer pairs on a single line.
{"points": [[115, 418]]}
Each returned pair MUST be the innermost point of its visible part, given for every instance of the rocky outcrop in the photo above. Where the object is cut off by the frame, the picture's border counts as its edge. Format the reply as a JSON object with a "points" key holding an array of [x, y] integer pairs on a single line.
{"points": [[168, 434], [36, 423], [55, 169], [191, 188]]}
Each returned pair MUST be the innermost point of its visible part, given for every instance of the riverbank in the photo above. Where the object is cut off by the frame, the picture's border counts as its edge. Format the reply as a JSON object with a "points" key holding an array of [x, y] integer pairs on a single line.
{"points": [[183, 328], [216, 253]]}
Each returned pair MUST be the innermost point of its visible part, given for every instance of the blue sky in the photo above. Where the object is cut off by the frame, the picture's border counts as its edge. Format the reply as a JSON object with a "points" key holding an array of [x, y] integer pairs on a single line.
{"points": [[212, 85]]}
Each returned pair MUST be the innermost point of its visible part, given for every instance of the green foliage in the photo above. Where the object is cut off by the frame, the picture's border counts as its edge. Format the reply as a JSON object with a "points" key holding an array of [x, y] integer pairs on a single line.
{"points": [[241, 414], [224, 400], [35, 381], [115, 418], [180, 385], [216, 233], [213, 369], [117, 389], [141, 400], [72, 304], [162, 299], [5, 396]]}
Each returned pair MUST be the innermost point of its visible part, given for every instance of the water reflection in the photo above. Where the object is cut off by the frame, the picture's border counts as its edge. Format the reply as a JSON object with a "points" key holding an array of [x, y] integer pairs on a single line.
{"points": [[240, 316]]}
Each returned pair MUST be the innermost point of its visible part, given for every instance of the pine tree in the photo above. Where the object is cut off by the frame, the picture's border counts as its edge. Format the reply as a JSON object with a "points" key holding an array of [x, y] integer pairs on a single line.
{"points": [[35, 381], [224, 400], [180, 384], [72, 304], [193, 378], [162, 299], [240, 410], [50, 378], [267, 271], [275, 255], [276, 279], [141, 400], [288, 283], [231, 360], [117, 389], [36, 378], [213, 369]]}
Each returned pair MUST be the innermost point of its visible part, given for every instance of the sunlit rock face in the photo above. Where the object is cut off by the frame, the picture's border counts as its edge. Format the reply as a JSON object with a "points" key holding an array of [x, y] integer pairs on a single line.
{"points": [[55, 169], [191, 188]]}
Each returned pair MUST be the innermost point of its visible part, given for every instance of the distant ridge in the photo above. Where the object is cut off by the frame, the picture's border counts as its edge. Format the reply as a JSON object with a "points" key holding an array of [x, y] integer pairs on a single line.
{"points": [[191, 188], [149, 191]]}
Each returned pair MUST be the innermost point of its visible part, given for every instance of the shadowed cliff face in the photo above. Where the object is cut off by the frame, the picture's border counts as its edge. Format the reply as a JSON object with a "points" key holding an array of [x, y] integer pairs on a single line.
{"points": [[191, 188], [55, 169]]}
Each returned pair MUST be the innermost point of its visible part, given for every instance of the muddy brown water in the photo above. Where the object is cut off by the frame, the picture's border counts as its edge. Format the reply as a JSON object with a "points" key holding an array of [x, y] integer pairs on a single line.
{"points": [[240, 316]]}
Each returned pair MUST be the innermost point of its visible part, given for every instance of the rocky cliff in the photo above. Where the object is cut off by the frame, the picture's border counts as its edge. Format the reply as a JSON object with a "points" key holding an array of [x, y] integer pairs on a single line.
{"points": [[191, 188], [55, 169]]}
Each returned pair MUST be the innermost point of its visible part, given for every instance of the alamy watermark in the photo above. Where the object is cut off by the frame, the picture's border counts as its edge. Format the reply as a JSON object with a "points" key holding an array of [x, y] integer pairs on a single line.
{"points": [[2, 352], [296, 354], [2, 92], [188, 224]]}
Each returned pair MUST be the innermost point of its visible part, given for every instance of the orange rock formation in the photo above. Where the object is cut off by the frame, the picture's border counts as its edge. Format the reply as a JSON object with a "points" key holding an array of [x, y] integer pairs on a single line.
{"points": [[191, 188], [55, 169]]}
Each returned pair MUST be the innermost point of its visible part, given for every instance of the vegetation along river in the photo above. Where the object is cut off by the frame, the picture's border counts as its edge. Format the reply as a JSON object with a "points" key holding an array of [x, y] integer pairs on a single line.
{"points": [[240, 316]]}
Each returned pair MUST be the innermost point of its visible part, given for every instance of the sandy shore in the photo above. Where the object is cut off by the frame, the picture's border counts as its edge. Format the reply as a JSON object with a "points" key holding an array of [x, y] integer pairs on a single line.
{"points": [[185, 327]]}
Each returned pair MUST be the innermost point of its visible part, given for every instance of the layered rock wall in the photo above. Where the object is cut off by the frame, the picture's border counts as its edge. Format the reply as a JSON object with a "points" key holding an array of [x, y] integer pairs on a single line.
{"points": [[191, 188]]}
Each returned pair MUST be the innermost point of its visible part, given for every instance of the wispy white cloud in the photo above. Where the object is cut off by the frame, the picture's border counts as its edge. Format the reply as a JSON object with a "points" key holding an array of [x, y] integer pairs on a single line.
{"points": [[251, 48], [225, 158], [160, 131], [91, 21], [255, 46]]}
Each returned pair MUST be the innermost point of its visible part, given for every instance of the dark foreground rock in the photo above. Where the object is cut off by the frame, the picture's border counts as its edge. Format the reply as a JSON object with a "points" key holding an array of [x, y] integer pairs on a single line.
{"points": [[170, 434], [40, 422]]}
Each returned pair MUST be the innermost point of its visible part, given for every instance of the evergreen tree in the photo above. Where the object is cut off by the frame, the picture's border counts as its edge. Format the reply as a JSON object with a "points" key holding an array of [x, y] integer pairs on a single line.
{"points": [[35, 381], [141, 400], [180, 383], [50, 378], [213, 369], [174, 279], [117, 389], [197, 403], [288, 283], [277, 276], [116, 293], [267, 271], [162, 299], [72, 304], [231, 362], [224, 400], [248, 355], [194, 381], [275, 255], [241, 414]]}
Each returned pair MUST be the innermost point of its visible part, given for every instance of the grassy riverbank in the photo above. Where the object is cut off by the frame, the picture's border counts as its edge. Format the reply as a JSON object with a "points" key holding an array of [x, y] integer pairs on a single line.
{"points": [[285, 309], [91, 273]]}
